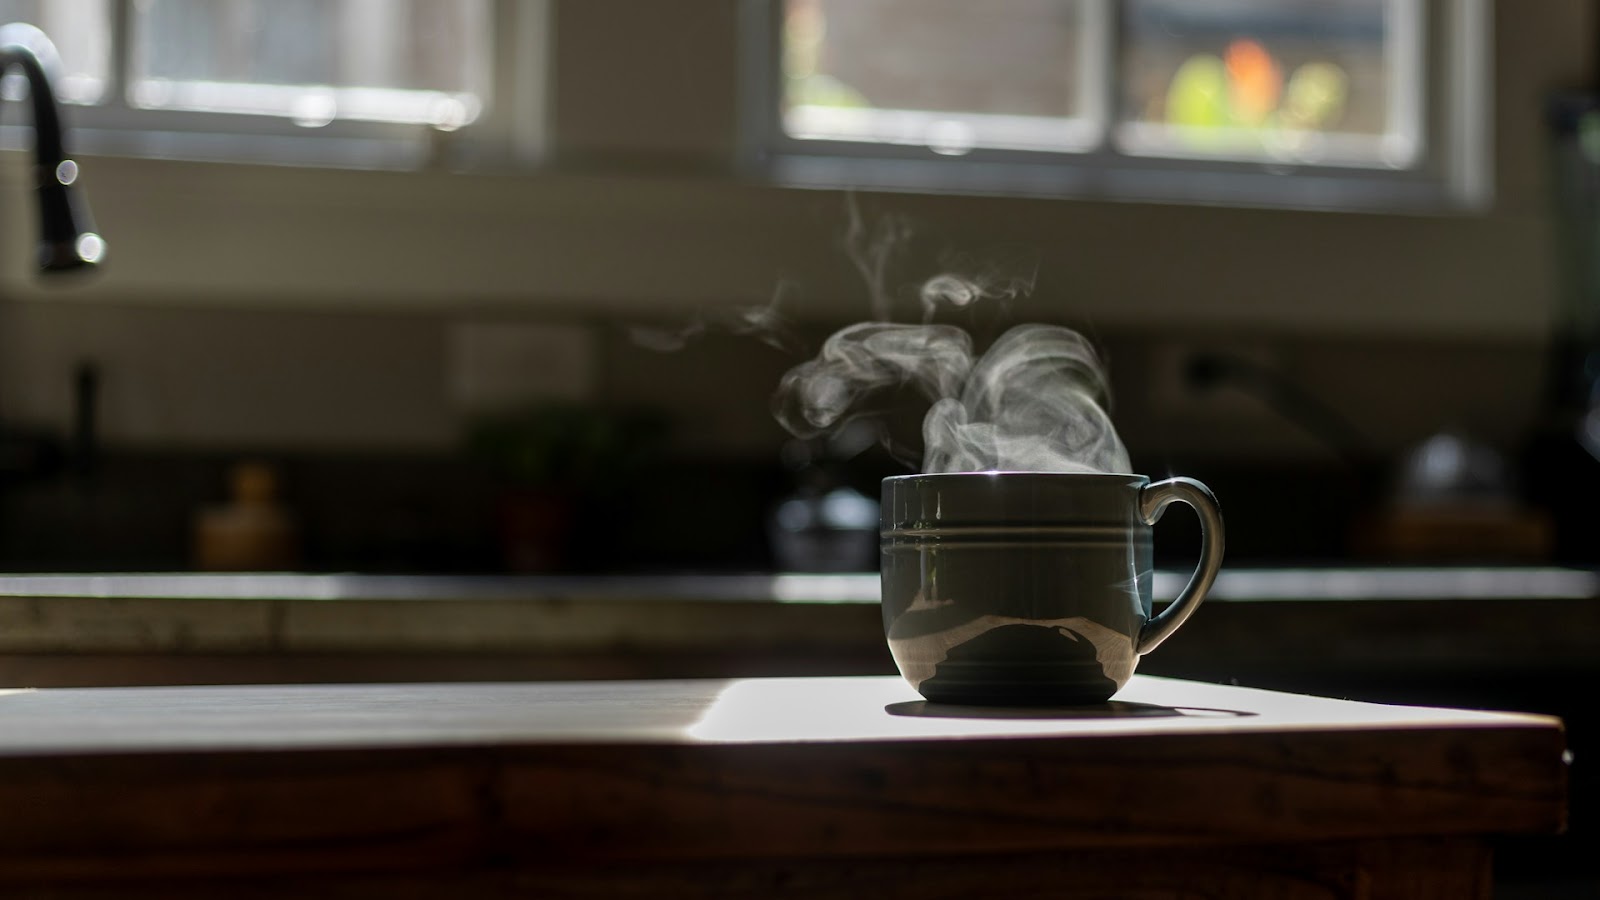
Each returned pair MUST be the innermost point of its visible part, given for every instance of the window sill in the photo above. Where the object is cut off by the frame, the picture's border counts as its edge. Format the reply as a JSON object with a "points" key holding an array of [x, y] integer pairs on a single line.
{"points": [[1261, 186]]}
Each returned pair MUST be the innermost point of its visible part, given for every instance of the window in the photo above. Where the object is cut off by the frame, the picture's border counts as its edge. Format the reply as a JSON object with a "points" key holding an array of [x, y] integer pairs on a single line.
{"points": [[1295, 81], [951, 75], [1364, 102], [81, 31], [409, 61], [252, 79]]}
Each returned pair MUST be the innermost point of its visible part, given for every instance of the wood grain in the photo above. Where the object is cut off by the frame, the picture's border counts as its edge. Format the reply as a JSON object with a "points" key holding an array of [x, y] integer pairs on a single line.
{"points": [[218, 783], [1390, 870]]}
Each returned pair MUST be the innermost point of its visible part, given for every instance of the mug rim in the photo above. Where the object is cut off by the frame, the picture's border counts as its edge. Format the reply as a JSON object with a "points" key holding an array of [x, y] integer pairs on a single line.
{"points": [[1122, 477]]}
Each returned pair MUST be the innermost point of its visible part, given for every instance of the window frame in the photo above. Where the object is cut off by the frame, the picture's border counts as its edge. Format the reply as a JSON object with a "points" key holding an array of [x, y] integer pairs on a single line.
{"points": [[509, 131], [1451, 172]]}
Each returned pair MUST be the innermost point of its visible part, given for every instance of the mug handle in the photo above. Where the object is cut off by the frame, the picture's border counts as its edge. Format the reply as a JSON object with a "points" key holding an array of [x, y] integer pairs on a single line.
{"points": [[1153, 501]]}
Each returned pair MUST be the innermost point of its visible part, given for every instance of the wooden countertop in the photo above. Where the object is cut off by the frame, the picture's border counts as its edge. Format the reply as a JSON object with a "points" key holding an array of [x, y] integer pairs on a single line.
{"points": [[1464, 625], [292, 613], [229, 781]]}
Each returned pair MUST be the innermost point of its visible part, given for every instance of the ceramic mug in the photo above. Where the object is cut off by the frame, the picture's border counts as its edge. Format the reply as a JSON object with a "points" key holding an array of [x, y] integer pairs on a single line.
{"points": [[1030, 588]]}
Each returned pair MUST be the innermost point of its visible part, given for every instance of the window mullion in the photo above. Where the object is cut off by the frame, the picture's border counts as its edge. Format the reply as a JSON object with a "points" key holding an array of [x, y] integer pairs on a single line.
{"points": [[120, 69], [1098, 73], [521, 79], [1409, 54]]}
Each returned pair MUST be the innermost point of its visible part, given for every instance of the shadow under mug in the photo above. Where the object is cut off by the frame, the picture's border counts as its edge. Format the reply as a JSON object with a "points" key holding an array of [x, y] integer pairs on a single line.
{"points": [[1030, 588]]}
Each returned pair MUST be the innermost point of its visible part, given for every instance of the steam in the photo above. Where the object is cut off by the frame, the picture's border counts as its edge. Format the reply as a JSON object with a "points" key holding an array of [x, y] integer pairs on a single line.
{"points": [[960, 289], [816, 396], [1035, 400], [765, 322], [871, 247]]}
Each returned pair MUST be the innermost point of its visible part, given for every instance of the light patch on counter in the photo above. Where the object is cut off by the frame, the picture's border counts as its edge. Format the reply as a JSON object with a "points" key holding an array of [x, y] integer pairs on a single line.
{"points": [[820, 710]]}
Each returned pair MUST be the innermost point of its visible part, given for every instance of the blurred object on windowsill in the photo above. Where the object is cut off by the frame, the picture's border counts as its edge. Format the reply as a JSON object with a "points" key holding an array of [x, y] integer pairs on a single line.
{"points": [[825, 525], [1286, 397], [557, 466], [253, 531], [1574, 380], [1455, 500]]}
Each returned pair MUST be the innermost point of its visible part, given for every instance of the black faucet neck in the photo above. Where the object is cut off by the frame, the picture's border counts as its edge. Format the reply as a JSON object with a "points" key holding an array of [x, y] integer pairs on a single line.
{"points": [[67, 240]]}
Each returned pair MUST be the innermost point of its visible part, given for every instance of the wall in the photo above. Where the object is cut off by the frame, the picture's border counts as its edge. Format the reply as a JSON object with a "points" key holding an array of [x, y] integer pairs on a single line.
{"points": [[263, 307]]}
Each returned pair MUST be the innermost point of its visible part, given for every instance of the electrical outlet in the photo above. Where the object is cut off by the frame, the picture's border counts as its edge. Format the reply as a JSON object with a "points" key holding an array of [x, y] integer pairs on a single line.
{"points": [[1174, 390], [496, 366]]}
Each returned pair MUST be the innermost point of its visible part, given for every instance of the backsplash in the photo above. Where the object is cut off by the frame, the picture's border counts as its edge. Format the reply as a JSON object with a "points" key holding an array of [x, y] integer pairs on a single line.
{"points": [[259, 380], [360, 418]]}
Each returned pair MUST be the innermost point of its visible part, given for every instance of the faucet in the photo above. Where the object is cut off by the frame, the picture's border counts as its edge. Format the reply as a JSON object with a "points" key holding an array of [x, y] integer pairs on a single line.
{"points": [[67, 242], [67, 239]]}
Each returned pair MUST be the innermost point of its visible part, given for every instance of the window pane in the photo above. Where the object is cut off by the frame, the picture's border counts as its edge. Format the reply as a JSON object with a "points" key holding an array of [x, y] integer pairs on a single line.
{"points": [[949, 74], [81, 31], [421, 61], [1320, 81]]}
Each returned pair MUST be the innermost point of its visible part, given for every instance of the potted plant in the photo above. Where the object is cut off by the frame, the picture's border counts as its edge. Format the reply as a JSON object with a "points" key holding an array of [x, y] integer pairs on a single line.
{"points": [[555, 463]]}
